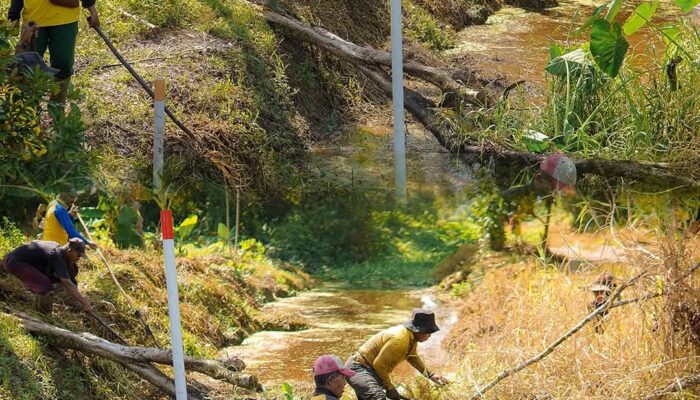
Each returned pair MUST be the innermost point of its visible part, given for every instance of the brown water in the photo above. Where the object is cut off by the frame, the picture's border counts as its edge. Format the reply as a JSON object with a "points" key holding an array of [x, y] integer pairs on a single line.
{"points": [[515, 42], [339, 322]]}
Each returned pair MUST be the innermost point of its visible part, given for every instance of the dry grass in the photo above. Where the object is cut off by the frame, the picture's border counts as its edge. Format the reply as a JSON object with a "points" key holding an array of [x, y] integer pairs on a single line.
{"points": [[518, 310]]}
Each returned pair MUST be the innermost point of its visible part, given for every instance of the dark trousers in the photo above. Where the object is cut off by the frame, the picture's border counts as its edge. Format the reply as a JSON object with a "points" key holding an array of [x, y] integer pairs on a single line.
{"points": [[32, 278], [366, 383], [60, 41]]}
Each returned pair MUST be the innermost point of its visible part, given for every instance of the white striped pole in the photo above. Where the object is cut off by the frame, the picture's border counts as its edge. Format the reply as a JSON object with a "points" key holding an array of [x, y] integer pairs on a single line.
{"points": [[397, 81], [159, 123], [166, 223]]}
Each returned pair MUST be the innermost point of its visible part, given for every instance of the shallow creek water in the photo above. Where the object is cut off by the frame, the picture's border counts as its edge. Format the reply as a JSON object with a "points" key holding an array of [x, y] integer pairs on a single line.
{"points": [[339, 320]]}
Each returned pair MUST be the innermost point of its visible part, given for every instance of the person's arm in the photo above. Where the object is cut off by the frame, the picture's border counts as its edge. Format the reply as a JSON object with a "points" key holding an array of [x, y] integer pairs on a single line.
{"points": [[417, 362], [75, 293], [388, 358], [15, 11], [93, 19], [63, 218]]}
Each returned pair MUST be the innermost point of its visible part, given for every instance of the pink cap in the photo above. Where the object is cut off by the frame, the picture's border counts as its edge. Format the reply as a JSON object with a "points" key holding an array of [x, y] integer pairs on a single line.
{"points": [[327, 364], [560, 169]]}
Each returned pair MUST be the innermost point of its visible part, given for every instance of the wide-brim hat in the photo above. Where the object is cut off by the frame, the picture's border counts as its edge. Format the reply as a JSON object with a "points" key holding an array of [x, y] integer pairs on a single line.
{"points": [[29, 60], [600, 288], [422, 321]]}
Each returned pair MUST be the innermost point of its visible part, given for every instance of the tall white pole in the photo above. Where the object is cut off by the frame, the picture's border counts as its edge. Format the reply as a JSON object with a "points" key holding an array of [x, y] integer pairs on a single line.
{"points": [[166, 220], [159, 125], [397, 80]]}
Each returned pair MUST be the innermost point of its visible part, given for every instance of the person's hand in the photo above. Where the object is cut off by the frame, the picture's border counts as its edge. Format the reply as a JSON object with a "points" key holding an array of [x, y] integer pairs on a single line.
{"points": [[393, 394], [92, 245], [93, 19], [73, 210], [440, 380]]}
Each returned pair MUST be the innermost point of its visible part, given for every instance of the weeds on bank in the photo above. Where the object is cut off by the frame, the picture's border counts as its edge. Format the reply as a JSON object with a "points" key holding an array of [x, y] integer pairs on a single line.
{"points": [[636, 115]]}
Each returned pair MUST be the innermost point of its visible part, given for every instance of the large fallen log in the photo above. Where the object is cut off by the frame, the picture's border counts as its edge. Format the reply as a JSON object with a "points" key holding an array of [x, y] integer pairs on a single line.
{"points": [[367, 56], [371, 61], [137, 359]]}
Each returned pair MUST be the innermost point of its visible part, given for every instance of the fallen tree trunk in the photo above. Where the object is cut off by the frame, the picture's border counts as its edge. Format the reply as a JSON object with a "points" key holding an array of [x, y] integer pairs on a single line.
{"points": [[369, 61], [137, 358], [364, 56]]}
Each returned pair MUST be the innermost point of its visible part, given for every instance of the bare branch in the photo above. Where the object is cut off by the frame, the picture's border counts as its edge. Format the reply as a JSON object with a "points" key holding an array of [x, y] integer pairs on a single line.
{"points": [[512, 371]]}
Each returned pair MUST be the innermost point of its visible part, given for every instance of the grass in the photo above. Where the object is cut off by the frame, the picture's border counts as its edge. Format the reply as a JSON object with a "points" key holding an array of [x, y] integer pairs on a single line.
{"points": [[220, 297], [633, 117]]}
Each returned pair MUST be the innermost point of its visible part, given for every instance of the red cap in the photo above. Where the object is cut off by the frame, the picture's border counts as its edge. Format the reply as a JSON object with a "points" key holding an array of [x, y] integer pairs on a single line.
{"points": [[560, 169], [327, 364]]}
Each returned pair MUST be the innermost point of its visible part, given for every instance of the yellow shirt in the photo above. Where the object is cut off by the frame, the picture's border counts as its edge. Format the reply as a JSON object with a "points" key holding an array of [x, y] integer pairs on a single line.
{"points": [[44, 13], [385, 350], [53, 230]]}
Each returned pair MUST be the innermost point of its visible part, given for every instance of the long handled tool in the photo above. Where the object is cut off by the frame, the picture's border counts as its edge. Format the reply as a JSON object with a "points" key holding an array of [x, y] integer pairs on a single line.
{"points": [[137, 313], [109, 328], [141, 82]]}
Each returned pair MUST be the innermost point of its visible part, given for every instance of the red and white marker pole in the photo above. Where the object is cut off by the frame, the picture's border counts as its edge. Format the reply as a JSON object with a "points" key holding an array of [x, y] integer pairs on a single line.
{"points": [[166, 223]]}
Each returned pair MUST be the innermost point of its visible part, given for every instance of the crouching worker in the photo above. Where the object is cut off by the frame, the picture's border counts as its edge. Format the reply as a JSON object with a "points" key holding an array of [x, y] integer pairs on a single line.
{"points": [[374, 362], [329, 376], [40, 264]]}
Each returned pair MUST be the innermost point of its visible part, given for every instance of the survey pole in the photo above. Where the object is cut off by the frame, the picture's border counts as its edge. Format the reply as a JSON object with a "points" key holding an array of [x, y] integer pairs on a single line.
{"points": [[397, 94], [166, 221]]}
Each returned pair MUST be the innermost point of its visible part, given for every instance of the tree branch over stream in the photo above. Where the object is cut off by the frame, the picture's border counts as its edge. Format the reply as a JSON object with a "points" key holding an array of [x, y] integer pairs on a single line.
{"points": [[372, 62], [609, 304]]}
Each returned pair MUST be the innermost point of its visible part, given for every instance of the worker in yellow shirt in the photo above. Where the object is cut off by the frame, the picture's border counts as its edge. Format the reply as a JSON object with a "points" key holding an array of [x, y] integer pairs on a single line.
{"points": [[378, 356], [58, 225], [58, 31]]}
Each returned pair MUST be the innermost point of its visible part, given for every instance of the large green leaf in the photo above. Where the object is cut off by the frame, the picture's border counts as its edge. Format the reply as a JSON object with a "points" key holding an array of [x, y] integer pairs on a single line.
{"points": [[608, 46], [640, 17], [571, 62], [670, 33], [187, 226], [587, 24], [687, 5], [222, 231], [613, 9]]}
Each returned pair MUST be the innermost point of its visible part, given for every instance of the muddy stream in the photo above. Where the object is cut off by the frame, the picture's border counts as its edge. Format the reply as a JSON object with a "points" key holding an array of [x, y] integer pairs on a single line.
{"points": [[339, 321], [514, 42]]}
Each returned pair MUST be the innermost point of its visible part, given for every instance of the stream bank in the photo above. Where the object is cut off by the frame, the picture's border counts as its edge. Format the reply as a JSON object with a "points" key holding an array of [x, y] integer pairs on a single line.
{"points": [[339, 321]]}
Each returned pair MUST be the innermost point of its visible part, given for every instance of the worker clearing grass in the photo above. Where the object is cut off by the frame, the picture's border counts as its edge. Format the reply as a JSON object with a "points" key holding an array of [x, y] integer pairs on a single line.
{"points": [[42, 264], [58, 225], [376, 359]]}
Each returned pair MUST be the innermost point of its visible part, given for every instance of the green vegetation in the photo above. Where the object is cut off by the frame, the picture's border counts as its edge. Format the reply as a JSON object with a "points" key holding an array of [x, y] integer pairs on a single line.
{"points": [[32, 369], [640, 114]]}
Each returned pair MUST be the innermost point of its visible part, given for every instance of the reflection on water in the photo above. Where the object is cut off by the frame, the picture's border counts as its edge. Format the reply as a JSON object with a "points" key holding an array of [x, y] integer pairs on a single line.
{"points": [[515, 42], [340, 321]]}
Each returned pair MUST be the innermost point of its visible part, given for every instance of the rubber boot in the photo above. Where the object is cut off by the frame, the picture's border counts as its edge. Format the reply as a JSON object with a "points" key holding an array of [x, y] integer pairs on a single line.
{"points": [[59, 99], [44, 303]]}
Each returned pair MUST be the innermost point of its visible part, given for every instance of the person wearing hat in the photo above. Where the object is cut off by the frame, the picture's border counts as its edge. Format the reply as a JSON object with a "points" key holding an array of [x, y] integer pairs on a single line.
{"points": [[374, 362], [57, 22], [41, 264], [58, 225], [602, 288], [556, 173], [329, 376]]}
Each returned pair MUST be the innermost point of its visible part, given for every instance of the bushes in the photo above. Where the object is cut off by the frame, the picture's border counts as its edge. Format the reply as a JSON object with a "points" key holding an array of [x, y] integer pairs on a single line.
{"points": [[40, 156]]}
